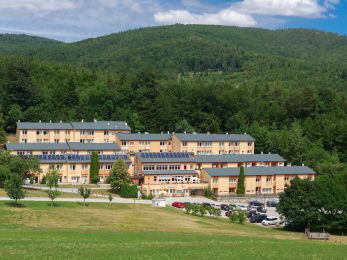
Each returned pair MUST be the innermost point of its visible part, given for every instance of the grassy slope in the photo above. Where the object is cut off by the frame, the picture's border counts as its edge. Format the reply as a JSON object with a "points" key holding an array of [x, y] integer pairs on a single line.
{"points": [[70, 231], [40, 193]]}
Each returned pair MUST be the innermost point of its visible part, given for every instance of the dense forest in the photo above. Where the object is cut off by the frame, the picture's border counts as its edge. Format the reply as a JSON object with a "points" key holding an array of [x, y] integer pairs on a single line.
{"points": [[287, 88]]}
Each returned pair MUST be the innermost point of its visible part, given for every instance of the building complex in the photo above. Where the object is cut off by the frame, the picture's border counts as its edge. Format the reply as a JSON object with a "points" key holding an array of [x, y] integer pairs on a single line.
{"points": [[171, 164]]}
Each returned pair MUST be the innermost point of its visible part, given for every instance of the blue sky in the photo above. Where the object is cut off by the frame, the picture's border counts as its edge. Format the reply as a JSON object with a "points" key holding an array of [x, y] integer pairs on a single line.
{"points": [[73, 20]]}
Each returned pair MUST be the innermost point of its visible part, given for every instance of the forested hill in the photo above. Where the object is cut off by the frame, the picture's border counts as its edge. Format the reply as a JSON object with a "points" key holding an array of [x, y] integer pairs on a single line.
{"points": [[184, 48], [287, 88], [20, 43]]}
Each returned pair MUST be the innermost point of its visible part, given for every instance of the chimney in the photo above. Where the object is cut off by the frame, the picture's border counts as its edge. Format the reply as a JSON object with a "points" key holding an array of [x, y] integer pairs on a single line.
{"points": [[125, 123], [146, 133], [95, 120], [108, 123], [289, 164], [269, 152], [168, 132], [18, 121], [303, 164], [245, 133], [208, 133]]}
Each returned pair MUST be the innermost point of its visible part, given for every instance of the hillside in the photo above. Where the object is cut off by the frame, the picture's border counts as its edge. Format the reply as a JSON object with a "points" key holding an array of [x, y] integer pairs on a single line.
{"points": [[20, 43], [182, 48], [287, 88]]}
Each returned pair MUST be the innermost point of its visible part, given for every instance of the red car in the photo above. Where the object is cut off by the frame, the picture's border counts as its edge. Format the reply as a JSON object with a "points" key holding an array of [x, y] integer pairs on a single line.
{"points": [[177, 204]]}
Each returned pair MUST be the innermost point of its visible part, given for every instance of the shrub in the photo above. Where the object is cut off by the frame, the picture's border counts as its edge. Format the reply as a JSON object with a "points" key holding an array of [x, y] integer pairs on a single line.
{"points": [[188, 207], [241, 216], [128, 191], [216, 212], [147, 197], [195, 209], [202, 210], [233, 217], [209, 194]]}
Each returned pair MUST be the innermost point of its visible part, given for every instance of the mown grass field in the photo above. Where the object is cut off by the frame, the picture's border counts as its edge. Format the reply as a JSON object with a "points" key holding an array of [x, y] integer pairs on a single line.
{"points": [[99, 231], [41, 193]]}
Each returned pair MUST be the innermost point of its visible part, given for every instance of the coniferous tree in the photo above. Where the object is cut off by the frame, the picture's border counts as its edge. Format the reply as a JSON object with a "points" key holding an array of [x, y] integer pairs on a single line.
{"points": [[241, 182], [94, 168]]}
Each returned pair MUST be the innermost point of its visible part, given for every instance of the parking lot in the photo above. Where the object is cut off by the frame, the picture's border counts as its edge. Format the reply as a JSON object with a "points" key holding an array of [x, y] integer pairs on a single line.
{"points": [[270, 211]]}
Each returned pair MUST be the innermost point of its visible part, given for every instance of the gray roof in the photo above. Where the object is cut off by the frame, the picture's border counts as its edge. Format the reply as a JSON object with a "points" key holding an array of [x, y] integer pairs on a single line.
{"points": [[143, 137], [76, 158], [93, 146], [44, 126], [97, 125], [170, 172], [36, 146], [62, 146], [227, 158], [214, 137], [101, 125], [257, 170]]}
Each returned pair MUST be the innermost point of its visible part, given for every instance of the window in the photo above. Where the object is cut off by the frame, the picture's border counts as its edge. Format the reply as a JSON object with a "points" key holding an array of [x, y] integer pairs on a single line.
{"points": [[234, 143], [249, 151], [84, 167], [56, 140], [266, 190], [204, 144], [38, 132], [67, 132], [232, 180], [258, 179], [154, 178], [184, 143], [175, 167], [221, 143], [250, 143], [286, 178], [56, 132], [124, 143], [163, 143], [144, 143], [82, 141], [24, 132], [72, 167], [215, 180], [106, 133], [45, 132], [38, 140], [162, 167], [24, 140], [268, 179], [148, 167]]}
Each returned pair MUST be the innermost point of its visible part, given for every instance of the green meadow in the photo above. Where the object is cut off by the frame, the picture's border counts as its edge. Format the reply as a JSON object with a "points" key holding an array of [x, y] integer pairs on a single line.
{"points": [[36, 230]]}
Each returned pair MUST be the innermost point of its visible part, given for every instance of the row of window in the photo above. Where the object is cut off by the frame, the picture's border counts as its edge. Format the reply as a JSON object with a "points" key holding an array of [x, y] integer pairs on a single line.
{"points": [[165, 167], [178, 178], [221, 144], [144, 143], [257, 179]]}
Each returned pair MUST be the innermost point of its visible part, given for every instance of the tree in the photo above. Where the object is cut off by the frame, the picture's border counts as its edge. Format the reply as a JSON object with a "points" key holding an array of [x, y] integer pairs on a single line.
{"points": [[85, 193], [110, 198], [52, 179], [13, 187], [4, 174], [2, 130], [119, 175], [94, 168], [53, 194], [241, 182]]}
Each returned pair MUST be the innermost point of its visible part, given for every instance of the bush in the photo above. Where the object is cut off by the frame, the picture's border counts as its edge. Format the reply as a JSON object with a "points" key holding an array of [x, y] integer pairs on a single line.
{"points": [[128, 191], [202, 210], [195, 209], [146, 197], [216, 212], [241, 216], [209, 194], [44, 180], [233, 217], [188, 207]]}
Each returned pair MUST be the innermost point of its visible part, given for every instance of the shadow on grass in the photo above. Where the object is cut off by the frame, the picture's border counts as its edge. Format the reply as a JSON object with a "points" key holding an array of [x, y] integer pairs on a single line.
{"points": [[82, 204], [55, 205], [14, 204]]}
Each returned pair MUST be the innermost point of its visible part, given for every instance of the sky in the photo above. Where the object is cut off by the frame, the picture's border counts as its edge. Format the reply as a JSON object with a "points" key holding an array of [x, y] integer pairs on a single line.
{"points": [[74, 20]]}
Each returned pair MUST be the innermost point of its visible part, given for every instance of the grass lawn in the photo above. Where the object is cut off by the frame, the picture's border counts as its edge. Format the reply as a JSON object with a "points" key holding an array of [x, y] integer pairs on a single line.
{"points": [[72, 231], [41, 193]]}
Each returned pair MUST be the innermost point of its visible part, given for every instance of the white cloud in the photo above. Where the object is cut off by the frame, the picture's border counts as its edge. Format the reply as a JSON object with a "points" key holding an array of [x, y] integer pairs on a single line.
{"points": [[295, 8], [223, 17], [47, 5]]}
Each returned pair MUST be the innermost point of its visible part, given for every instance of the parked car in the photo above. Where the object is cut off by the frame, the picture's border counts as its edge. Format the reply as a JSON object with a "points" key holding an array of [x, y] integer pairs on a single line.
{"points": [[216, 206], [206, 205], [261, 209], [257, 218], [186, 203], [272, 203], [224, 207], [251, 214], [242, 207], [251, 209], [270, 221], [255, 203], [227, 214], [177, 204]]}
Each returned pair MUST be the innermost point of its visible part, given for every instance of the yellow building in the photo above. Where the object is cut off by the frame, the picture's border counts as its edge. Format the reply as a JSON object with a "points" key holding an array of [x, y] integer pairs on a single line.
{"points": [[213, 143], [74, 168], [62, 148], [258, 180], [83, 132], [168, 174], [144, 142], [238, 160]]}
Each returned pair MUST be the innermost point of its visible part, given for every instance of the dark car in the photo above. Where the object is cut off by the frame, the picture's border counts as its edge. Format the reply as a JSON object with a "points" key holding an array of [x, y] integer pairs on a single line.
{"points": [[251, 214], [206, 205], [224, 207], [186, 203], [272, 203], [261, 209], [228, 213], [255, 203], [257, 218]]}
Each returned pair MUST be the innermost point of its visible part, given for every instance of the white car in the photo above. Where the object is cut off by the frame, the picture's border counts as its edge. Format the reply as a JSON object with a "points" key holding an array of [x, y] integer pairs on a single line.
{"points": [[270, 221], [242, 207]]}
